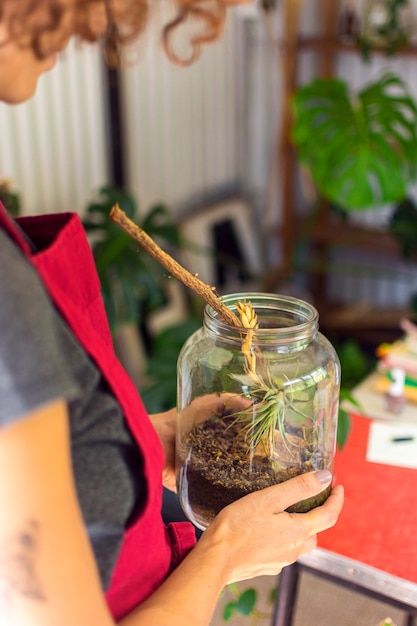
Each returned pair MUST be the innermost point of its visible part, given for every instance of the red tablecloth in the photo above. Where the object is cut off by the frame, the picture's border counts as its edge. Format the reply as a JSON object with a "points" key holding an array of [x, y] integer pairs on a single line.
{"points": [[378, 524]]}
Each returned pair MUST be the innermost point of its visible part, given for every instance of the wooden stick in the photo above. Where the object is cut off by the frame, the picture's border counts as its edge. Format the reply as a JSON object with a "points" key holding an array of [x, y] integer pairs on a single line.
{"points": [[120, 218]]}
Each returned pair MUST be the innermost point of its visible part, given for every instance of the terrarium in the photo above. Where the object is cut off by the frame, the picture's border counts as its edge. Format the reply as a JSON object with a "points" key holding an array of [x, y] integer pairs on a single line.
{"points": [[257, 403]]}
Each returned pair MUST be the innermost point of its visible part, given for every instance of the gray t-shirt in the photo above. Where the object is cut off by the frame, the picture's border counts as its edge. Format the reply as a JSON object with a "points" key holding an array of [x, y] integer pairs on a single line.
{"points": [[41, 360]]}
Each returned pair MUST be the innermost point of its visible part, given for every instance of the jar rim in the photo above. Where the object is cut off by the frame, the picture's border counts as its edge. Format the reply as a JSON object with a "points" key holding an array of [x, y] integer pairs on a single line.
{"points": [[303, 317]]}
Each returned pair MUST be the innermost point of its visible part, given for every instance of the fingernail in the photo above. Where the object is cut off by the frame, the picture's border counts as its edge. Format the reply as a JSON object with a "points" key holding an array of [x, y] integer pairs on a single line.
{"points": [[323, 476]]}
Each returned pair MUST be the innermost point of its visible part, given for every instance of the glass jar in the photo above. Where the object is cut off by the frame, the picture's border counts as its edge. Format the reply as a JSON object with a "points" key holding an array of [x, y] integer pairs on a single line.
{"points": [[256, 406]]}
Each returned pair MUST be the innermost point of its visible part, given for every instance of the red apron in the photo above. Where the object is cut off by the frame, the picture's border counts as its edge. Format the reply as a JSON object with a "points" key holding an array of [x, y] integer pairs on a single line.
{"points": [[150, 550]]}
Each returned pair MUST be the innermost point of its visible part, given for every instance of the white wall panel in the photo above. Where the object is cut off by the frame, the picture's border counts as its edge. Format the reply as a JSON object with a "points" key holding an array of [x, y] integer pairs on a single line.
{"points": [[180, 123], [54, 147]]}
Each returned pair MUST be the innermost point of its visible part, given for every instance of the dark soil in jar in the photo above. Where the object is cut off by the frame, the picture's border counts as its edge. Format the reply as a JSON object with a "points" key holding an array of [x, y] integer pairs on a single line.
{"points": [[220, 469]]}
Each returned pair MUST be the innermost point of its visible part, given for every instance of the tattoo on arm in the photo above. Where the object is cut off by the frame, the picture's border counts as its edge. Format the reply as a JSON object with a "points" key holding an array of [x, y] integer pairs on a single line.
{"points": [[18, 574]]}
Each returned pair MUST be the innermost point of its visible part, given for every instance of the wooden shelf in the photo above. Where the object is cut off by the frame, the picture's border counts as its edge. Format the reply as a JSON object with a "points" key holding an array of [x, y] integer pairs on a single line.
{"points": [[334, 234], [328, 232], [337, 233], [363, 322], [333, 44], [362, 315]]}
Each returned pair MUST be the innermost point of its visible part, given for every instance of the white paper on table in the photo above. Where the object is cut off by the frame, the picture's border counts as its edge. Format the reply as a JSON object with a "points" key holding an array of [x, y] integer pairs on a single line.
{"points": [[392, 444]]}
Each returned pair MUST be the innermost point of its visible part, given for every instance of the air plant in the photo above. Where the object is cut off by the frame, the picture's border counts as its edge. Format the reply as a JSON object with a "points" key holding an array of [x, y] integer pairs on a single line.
{"points": [[270, 401]]}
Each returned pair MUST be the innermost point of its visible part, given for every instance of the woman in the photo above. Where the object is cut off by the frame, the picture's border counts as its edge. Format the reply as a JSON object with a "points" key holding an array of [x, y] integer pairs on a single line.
{"points": [[81, 464]]}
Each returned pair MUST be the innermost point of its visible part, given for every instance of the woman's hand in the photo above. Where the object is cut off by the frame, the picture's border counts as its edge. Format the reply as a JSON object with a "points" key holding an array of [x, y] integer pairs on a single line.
{"points": [[260, 538], [199, 410], [165, 425]]}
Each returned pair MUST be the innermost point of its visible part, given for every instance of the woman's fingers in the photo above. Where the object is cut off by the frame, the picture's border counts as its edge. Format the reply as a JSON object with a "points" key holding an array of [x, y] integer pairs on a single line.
{"points": [[203, 407], [261, 537], [326, 515], [279, 497]]}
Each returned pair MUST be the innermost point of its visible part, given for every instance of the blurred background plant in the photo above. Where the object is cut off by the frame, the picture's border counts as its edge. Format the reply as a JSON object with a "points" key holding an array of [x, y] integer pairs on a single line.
{"points": [[9, 197], [133, 283], [384, 26], [355, 364], [359, 148], [245, 603], [403, 225], [135, 286]]}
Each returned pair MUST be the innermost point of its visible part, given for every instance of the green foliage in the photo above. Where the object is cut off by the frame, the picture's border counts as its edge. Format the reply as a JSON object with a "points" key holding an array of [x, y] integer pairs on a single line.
{"points": [[361, 150], [229, 610], [273, 596], [413, 304], [133, 283], [9, 198], [403, 225], [391, 34], [355, 366], [244, 604], [354, 362], [344, 423], [161, 394]]}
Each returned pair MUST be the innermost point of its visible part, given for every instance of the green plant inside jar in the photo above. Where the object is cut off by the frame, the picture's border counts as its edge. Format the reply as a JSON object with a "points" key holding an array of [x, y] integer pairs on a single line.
{"points": [[266, 431]]}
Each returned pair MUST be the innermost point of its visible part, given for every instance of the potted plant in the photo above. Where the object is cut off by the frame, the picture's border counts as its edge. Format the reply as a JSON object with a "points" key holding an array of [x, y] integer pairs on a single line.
{"points": [[384, 25], [360, 149], [159, 393], [133, 284]]}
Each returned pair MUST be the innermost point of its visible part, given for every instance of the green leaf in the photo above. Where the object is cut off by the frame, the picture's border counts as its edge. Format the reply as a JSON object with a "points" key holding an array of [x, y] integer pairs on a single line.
{"points": [[229, 610], [10, 200], [343, 428], [272, 597], [247, 601], [161, 394], [403, 225], [355, 364], [176, 335]]}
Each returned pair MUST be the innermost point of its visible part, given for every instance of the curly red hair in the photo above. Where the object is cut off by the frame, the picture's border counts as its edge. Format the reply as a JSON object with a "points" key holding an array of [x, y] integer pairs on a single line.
{"points": [[126, 20]]}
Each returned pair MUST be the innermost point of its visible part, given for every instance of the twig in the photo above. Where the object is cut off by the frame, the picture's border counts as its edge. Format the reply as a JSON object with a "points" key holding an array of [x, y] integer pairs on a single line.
{"points": [[120, 218]]}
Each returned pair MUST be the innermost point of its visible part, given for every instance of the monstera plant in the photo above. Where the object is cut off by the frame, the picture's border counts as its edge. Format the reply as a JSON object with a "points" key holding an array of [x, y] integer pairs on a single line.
{"points": [[360, 148]]}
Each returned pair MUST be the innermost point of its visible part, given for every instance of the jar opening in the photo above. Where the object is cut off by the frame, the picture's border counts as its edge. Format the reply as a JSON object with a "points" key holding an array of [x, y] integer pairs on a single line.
{"points": [[281, 318]]}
